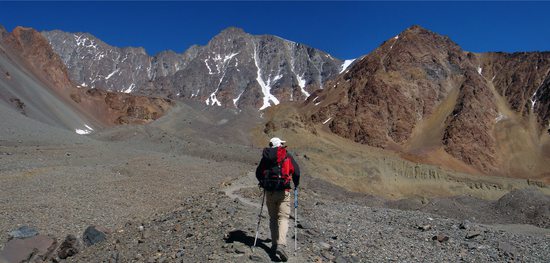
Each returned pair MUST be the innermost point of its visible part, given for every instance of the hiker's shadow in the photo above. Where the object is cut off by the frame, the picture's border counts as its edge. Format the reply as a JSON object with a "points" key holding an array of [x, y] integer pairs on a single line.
{"points": [[242, 237]]}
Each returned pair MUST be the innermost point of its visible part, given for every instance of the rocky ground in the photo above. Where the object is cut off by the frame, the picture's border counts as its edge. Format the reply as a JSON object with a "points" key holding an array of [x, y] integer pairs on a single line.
{"points": [[213, 227], [168, 193]]}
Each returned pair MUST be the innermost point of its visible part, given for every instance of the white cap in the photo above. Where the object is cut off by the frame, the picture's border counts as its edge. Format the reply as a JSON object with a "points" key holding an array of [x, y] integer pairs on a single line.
{"points": [[276, 142]]}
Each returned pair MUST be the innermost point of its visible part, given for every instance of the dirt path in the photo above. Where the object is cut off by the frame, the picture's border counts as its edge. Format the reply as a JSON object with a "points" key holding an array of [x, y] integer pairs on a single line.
{"points": [[249, 181]]}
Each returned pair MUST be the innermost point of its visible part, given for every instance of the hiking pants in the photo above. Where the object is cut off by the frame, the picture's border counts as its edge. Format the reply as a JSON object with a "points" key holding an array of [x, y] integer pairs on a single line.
{"points": [[278, 206]]}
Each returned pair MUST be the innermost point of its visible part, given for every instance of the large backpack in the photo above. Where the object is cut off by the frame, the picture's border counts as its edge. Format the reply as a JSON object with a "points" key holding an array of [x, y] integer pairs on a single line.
{"points": [[276, 176]]}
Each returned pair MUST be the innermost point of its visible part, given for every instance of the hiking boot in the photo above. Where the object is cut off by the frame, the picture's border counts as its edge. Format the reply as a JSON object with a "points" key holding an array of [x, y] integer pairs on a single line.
{"points": [[273, 251], [280, 252]]}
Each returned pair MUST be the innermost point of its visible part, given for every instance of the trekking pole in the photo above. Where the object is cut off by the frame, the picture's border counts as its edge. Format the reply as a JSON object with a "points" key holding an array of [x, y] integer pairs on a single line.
{"points": [[295, 220], [259, 218]]}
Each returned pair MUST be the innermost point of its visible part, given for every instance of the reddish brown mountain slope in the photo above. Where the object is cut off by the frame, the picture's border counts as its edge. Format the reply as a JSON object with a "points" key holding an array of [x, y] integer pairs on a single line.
{"points": [[29, 53], [421, 94]]}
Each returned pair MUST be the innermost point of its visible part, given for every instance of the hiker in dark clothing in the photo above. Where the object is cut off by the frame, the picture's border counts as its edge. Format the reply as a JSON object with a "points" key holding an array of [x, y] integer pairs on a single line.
{"points": [[275, 170]]}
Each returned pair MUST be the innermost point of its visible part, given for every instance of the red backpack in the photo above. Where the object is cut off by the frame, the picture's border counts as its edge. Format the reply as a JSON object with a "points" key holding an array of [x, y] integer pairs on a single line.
{"points": [[277, 176]]}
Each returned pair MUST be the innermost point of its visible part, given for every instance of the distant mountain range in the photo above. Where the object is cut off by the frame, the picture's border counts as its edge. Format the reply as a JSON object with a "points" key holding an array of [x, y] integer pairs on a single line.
{"points": [[418, 94], [234, 69]]}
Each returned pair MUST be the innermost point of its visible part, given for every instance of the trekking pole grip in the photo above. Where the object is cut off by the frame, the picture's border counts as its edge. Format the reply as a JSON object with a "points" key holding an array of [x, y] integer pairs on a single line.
{"points": [[295, 197]]}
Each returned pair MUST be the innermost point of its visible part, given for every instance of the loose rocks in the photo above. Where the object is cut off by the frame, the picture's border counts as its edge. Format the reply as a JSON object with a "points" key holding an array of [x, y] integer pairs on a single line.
{"points": [[23, 232], [70, 247], [95, 234]]}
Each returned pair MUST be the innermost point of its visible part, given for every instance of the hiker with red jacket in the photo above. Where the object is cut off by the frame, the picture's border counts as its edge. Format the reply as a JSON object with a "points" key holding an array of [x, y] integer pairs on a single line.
{"points": [[274, 173]]}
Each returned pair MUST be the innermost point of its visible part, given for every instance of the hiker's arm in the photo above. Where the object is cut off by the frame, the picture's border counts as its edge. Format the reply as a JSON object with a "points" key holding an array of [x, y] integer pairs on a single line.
{"points": [[296, 174]]}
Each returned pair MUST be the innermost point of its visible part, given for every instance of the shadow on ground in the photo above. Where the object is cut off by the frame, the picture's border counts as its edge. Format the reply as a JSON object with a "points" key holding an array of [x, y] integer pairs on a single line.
{"points": [[242, 237]]}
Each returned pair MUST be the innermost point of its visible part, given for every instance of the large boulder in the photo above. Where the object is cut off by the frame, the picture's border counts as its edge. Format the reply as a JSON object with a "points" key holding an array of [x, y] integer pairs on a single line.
{"points": [[31, 249], [95, 234], [22, 232]]}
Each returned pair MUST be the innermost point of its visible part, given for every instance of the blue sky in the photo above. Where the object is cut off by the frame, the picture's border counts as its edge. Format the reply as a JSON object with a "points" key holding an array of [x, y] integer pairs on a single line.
{"points": [[343, 29]]}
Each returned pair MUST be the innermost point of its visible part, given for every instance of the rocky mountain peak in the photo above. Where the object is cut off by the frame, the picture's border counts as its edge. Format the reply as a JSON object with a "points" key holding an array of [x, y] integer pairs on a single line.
{"points": [[232, 31], [229, 37], [418, 39], [418, 32], [417, 29], [23, 36], [35, 49]]}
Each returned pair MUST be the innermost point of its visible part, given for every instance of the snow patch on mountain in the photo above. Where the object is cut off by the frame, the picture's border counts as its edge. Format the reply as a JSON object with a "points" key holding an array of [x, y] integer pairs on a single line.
{"points": [[235, 100], [130, 88], [209, 69], [83, 131], [533, 99], [302, 84], [82, 40], [300, 79], [346, 64], [266, 87], [220, 62], [212, 100], [112, 73], [500, 117]]}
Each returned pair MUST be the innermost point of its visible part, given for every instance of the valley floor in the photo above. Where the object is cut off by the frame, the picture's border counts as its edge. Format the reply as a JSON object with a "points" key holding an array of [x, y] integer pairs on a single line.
{"points": [[196, 198]]}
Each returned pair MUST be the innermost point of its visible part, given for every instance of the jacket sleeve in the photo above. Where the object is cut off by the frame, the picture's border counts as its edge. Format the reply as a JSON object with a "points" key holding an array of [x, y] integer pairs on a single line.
{"points": [[296, 173]]}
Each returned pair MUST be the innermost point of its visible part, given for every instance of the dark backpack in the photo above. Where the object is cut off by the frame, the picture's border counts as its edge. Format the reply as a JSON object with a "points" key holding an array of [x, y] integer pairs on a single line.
{"points": [[277, 176]]}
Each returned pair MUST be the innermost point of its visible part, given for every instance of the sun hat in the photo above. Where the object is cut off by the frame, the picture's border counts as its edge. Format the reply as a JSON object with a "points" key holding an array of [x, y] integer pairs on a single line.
{"points": [[276, 142]]}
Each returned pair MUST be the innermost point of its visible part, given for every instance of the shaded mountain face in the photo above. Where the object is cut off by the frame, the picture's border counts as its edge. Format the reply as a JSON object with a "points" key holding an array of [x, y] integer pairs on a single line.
{"points": [[35, 82], [3, 32], [234, 69], [420, 92]]}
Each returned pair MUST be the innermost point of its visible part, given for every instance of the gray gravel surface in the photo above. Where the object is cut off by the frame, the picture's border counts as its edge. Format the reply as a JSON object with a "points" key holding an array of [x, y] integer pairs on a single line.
{"points": [[214, 227], [171, 193]]}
